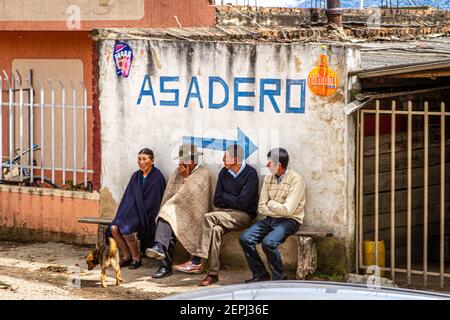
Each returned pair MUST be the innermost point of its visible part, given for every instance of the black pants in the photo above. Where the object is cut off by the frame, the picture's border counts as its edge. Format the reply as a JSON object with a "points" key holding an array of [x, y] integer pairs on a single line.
{"points": [[165, 236]]}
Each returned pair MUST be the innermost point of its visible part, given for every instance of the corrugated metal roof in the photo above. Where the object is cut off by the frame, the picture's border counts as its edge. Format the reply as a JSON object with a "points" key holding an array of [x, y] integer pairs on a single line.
{"points": [[399, 68], [388, 54]]}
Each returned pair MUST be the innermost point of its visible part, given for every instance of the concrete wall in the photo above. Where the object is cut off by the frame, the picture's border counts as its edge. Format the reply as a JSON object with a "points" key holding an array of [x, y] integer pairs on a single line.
{"points": [[251, 16], [47, 215], [315, 135], [73, 15]]}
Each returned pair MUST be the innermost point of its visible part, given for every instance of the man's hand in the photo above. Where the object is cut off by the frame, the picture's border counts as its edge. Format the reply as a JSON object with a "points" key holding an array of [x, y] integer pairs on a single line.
{"points": [[184, 170]]}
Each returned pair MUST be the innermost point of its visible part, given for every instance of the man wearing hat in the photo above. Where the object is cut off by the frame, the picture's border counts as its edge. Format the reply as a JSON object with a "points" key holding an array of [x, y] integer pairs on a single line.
{"points": [[188, 197], [236, 197]]}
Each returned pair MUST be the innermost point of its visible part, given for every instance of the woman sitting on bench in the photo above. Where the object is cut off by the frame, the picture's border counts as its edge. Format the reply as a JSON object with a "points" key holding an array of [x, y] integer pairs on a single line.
{"points": [[138, 210]]}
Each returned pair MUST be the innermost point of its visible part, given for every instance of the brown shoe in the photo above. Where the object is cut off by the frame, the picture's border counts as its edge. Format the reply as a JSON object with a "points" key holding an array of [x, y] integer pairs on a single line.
{"points": [[209, 280], [189, 267]]}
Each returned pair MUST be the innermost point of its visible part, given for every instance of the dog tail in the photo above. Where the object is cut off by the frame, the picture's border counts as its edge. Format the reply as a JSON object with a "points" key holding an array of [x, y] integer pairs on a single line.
{"points": [[112, 247]]}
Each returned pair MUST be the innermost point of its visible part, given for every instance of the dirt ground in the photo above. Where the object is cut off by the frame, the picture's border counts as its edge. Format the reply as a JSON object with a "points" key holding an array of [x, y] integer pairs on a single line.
{"points": [[58, 271], [45, 271]]}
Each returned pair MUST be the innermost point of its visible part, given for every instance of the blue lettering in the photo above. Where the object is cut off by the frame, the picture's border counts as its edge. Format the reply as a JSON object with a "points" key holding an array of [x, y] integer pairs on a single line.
{"points": [[162, 89], [302, 84], [270, 93], [145, 92], [222, 104], [238, 94], [268, 87], [196, 94]]}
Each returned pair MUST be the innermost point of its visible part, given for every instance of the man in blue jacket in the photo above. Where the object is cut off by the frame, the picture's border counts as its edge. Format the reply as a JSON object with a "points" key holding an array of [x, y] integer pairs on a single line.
{"points": [[236, 196]]}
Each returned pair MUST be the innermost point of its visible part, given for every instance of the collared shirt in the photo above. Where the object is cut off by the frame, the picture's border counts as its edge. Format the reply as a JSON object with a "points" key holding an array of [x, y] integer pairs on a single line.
{"points": [[193, 170], [235, 175], [280, 178], [196, 167]]}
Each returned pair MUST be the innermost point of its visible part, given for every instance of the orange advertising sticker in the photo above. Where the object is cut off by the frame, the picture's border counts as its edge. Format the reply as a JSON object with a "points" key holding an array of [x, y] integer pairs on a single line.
{"points": [[322, 80]]}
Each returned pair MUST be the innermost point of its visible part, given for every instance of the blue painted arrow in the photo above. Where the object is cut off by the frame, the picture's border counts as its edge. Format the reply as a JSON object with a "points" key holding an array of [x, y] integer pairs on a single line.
{"points": [[222, 144]]}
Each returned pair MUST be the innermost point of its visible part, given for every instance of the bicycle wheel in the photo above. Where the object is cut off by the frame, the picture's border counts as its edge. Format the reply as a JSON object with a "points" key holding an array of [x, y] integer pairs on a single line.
{"points": [[37, 182]]}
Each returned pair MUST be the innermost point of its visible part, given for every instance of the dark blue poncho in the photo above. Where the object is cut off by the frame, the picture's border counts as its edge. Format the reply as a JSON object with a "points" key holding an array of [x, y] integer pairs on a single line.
{"points": [[139, 207]]}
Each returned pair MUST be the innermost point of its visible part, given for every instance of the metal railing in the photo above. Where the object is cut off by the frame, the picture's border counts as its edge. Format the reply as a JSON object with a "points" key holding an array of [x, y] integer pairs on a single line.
{"points": [[25, 135], [379, 224]]}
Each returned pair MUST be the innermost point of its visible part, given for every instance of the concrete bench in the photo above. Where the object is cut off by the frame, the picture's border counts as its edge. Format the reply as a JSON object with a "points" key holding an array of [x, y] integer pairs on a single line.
{"points": [[306, 252], [102, 224]]}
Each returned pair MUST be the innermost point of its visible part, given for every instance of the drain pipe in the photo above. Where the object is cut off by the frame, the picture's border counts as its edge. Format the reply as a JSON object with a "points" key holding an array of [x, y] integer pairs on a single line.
{"points": [[314, 14], [334, 12]]}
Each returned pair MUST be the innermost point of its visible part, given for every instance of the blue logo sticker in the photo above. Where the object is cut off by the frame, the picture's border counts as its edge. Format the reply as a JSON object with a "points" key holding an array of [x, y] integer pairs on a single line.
{"points": [[123, 57]]}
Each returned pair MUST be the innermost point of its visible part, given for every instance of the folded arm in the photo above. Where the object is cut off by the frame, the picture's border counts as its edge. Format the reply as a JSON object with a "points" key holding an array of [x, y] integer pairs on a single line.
{"points": [[286, 209]]}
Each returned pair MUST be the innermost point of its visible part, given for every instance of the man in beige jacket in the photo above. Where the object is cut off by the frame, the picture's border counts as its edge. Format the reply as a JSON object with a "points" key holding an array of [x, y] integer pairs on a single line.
{"points": [[282, 201]]}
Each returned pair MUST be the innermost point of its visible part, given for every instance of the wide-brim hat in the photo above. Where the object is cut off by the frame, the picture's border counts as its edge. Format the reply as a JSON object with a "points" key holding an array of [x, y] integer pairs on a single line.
{"points": [[187, 151]]}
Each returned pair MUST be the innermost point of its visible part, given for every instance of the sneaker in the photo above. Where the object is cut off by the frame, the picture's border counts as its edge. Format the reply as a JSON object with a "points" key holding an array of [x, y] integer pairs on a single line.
{"points": [[155, 252], [189, 267]]}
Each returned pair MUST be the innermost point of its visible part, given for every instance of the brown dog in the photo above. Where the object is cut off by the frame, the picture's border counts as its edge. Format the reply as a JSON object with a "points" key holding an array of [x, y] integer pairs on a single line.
{"points": [[106, 256]]}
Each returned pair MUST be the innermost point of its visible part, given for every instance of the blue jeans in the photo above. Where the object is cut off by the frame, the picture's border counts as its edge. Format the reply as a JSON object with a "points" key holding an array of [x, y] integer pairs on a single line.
{"points": [[271, 232]]}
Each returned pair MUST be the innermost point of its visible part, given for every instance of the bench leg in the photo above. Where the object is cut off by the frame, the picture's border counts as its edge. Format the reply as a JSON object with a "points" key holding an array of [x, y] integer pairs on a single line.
{"points": [[101, 234], [307, 257]]}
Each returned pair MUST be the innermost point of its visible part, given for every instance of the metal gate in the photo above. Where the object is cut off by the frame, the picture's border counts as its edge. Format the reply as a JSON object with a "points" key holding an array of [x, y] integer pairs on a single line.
{"points": [[36, 116], [401, 188]]}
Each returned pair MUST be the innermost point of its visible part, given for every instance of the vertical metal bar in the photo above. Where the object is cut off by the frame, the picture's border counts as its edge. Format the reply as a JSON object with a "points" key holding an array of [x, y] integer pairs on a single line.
{"points": [[85, 134], [30, 82], [1, 128], [358, 240], [361, 189], [20, 130], [425, 196], [13, 102], [11, 134], [63, 107], [393, 137], [8, 87], [53, 129], [42, 132], [31, 129], [409, 206], [442, 218], [74, 100], [377, 182]]}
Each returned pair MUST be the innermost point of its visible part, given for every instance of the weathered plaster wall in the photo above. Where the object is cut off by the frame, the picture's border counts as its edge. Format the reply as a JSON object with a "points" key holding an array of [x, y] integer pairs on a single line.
{"points": [[315, 138]]}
